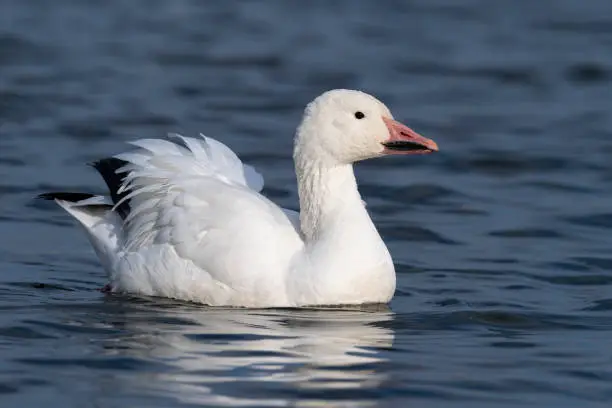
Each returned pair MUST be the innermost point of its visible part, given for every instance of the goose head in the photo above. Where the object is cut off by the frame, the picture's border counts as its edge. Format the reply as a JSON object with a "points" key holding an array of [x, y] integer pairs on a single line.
{"points": [[345, 126]]}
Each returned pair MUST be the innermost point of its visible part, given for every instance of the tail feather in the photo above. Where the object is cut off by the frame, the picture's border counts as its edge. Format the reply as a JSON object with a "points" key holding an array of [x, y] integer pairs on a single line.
{"points": [[100, 216], [104, 227]]}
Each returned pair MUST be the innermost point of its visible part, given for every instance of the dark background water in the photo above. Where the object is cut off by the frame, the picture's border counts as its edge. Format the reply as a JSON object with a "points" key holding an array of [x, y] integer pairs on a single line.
{"points": [[502, 240]]}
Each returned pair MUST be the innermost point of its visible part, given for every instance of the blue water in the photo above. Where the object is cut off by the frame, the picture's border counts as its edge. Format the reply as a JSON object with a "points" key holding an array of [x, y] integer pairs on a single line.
{"points": [[502, 241]]}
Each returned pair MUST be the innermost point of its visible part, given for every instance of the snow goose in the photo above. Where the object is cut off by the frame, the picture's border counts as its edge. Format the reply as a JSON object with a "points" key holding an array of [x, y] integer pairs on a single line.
{"points": [[185, 218]]}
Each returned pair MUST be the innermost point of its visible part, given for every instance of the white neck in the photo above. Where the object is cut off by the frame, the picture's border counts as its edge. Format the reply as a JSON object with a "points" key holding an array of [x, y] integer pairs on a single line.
{"points": [[328, 195], [347, 260]]}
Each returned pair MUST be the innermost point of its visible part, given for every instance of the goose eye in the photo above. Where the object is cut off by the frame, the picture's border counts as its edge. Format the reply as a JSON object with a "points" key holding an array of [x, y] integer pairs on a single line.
{"points": [[359, 115]]}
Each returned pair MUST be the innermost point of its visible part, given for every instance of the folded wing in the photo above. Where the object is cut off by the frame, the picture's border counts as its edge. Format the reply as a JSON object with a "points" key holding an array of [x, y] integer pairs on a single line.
{"points": [[195, 198]]}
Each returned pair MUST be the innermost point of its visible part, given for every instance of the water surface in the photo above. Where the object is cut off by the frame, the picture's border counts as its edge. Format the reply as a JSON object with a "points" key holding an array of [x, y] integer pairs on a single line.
{"points": [[501, 241]]}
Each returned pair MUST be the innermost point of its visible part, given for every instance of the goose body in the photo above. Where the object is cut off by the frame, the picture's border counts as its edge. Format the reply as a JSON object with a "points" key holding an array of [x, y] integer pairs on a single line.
{"points": [[186, 219]]}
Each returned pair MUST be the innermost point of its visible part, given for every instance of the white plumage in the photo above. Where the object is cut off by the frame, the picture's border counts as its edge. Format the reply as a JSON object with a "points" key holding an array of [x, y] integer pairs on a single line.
{"points": [[198, 228]]}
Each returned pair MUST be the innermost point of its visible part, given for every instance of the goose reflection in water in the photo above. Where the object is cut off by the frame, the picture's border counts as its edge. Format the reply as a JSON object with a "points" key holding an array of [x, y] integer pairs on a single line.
{"points": [[252, 357]]}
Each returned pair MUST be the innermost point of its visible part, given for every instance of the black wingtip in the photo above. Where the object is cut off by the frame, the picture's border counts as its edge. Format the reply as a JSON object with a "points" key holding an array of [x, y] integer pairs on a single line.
{"points": [[108, 170], [71, 197]]}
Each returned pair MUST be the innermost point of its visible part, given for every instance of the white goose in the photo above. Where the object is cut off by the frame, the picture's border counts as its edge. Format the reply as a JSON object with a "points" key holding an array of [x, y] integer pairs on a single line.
{"points": [[185, 218]]}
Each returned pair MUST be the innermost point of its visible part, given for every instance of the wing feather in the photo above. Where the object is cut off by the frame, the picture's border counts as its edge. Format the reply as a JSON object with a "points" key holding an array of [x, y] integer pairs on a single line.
{"points": [[198, 199]]}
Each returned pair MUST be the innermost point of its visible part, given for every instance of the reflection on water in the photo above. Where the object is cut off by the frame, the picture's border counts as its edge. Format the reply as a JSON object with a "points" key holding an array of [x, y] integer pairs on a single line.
{"points": [[208, 351]]}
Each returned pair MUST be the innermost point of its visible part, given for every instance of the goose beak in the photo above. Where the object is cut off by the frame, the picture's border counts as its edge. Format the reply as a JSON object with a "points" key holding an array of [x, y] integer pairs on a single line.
{"points": [[403, 140]]}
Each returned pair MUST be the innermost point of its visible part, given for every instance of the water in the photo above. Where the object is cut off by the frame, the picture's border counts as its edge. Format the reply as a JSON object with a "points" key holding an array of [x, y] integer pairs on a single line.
{"points": [[501, 241]]}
